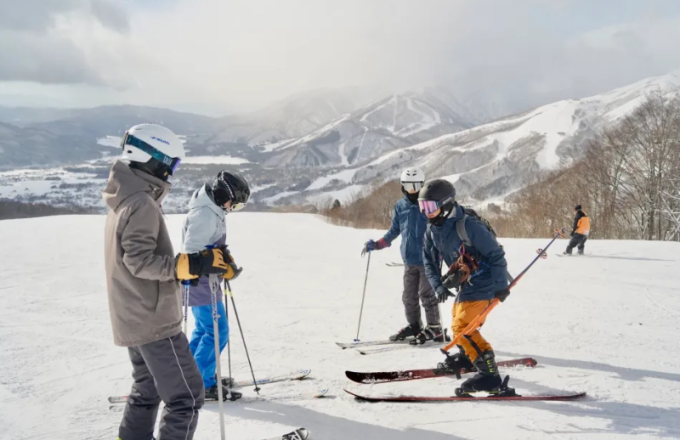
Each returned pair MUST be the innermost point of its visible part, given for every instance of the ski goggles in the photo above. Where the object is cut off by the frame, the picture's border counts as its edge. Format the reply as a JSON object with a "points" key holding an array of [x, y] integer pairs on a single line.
{"points": [[170, 162], [428, 207], [237, 207], [412, 186]]}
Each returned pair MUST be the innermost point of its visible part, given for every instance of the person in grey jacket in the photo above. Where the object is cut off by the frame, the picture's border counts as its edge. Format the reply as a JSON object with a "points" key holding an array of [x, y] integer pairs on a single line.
{"points": [[144, 297], [205, 226]]}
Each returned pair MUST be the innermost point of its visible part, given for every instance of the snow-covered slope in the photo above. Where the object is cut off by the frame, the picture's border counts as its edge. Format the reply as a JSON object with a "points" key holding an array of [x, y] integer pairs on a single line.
{"points": [[391, 123], [611, 331], [490, 161]]}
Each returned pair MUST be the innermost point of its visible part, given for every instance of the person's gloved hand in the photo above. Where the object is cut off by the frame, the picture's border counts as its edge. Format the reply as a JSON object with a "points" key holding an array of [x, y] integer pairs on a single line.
{"points": [[234, 271], [443, 294], [371, 245], [502, 295], [205, 262]]}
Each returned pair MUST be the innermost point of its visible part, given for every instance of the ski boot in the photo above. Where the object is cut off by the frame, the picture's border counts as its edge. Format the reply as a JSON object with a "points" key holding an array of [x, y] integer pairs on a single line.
{"points": [[486, 380], [227, 381], [431, 333], [227, 394], [458, 363], [406, 332]]}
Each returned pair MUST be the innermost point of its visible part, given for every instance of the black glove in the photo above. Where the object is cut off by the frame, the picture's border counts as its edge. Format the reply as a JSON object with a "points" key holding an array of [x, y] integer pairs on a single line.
{"points": [[453, 280], [205, 262], [443, 294], [571, 235], [502, 294]]}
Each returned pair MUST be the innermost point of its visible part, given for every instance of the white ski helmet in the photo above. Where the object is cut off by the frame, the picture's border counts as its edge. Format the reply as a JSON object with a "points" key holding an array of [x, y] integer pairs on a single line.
{"points": [[144, 142], [412, 179]]}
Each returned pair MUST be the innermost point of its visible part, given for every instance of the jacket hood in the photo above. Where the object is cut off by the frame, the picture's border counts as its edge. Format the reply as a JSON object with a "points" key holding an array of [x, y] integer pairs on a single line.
{"points": [[201, 198], [125, 181]]}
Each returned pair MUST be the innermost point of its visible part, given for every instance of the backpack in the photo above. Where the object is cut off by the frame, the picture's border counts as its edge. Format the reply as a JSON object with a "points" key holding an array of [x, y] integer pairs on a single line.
{"points": [[460, 225]]}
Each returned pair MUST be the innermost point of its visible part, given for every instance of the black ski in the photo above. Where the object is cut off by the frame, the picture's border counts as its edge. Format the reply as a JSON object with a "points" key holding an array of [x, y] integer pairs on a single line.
{"points": [[298, 434]]}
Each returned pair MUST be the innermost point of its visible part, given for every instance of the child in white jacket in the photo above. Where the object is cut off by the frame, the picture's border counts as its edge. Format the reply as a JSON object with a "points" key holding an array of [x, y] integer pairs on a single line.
{"points": [[205, 226]]}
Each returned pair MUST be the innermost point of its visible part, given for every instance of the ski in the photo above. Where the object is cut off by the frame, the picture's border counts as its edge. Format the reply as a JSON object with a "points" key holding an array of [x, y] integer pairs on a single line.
{"points": [[298, 434], [395, 264], [320, 394], [251, 399], [400, 347], [297, 375], [345, 345], [492, 398], [405, 375]]}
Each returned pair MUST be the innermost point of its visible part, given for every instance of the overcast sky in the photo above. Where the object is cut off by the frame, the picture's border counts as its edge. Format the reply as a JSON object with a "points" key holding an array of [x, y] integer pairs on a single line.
{"points": [[231, 55]]}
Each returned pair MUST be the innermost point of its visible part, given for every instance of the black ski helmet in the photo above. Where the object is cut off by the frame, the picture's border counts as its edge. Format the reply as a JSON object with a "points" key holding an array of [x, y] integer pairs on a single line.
{"points": [[443, 193], [230, 186]]}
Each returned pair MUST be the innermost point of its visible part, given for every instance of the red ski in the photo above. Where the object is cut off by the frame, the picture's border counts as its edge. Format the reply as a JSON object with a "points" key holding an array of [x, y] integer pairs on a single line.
{"points": [[464, 399], [404, 375]]}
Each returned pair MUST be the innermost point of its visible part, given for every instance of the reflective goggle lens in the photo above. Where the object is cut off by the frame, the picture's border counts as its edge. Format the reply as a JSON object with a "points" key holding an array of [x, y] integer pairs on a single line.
{"points": [[412, 186], [428, 206]]}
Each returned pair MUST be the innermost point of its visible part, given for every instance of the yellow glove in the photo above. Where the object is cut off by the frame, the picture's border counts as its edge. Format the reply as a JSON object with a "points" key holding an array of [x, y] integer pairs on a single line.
{"points": [[205, 262]]}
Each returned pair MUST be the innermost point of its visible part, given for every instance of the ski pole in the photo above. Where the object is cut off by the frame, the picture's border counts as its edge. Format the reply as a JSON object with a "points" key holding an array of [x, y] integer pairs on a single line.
{"points": [[214, 285], [475, 323], [238, 321], [226, 311], [187, 285], [363, 297]]}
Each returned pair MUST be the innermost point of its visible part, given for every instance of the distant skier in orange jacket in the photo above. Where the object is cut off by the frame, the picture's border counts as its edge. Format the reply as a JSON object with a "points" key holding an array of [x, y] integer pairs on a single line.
{"points": [[580, 231]]}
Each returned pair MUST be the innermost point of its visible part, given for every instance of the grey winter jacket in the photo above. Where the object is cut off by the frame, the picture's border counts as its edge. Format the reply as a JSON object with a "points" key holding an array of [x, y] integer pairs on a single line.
{"points": [[203, 226], [144, 296]]}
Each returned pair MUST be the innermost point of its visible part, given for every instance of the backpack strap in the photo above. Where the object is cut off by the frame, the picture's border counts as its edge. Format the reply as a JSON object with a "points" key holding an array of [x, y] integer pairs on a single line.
{"points": [[460, 229]]}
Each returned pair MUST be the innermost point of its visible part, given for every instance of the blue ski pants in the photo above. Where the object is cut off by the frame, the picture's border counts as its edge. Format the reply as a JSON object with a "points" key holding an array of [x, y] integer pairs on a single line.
{"points": [[202, 343]]}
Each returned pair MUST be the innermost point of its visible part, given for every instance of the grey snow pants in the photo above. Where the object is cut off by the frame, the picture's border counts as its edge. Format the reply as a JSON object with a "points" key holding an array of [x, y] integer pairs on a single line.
{"points": [[417, 287], [163, 370]]}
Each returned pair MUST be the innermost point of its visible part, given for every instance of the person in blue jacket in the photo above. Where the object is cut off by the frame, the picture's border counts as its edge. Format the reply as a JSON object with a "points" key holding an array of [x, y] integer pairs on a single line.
{"points": [[477, 269], [205, 226], [408, 222]]}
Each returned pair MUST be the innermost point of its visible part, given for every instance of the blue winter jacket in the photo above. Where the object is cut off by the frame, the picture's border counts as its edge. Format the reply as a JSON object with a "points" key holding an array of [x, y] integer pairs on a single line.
{"points": [[203, 226], [492, 275], [408, 221]]}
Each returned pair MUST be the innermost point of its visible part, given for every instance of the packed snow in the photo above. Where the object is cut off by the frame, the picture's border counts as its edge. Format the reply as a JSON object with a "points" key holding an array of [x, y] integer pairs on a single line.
{"points": [[606, 323]]}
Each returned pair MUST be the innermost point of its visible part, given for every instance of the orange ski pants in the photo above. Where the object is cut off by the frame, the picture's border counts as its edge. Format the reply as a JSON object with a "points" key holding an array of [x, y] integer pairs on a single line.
{"points": [[463, 313]]}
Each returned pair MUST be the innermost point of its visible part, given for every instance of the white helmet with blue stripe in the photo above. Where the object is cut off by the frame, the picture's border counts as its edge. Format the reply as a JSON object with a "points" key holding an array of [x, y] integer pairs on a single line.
{"points": [[154, 143]]}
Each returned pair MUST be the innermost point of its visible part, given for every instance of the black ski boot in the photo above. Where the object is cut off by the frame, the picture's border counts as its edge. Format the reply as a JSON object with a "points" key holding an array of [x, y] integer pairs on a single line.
{"points": [[431, 333], [227, 394], [406, 332], [227, 381], [457, 363], [487, 379]]}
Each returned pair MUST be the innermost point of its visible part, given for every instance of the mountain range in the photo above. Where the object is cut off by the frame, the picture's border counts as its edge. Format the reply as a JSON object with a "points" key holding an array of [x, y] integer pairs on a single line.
{"points": [[331, 143]]}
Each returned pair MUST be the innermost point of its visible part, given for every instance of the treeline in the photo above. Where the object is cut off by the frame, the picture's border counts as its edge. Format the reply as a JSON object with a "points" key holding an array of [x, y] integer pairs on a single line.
{"points": [[627, 180], [11, 209]]}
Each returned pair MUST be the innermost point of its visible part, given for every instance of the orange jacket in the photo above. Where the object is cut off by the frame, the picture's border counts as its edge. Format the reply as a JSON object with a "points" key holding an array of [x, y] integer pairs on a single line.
{"points": [[582, 223]]}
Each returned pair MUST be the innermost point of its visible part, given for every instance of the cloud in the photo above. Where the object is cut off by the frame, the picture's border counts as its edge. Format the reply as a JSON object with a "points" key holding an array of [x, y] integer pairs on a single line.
{"points": [[243, 54], [37, 46]]}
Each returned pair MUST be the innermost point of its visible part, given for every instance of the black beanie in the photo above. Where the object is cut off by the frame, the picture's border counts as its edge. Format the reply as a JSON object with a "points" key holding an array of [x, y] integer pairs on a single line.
{"points": [[578, 207]]}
